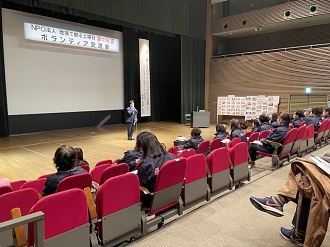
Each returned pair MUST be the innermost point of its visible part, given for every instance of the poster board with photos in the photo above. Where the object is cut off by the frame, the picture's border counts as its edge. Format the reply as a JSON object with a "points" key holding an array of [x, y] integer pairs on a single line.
{"points": [[251, 107]]}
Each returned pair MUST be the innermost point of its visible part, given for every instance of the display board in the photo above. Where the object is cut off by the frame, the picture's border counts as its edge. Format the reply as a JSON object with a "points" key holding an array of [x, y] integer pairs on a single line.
{"points": [[251, 107]]}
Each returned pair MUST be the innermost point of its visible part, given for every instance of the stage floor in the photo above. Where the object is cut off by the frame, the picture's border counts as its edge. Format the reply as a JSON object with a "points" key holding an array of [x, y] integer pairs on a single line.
{"points": [[29, 156]]}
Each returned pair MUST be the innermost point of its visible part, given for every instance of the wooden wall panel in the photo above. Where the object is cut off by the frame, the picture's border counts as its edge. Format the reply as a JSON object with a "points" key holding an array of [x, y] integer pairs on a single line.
{"points": [[275, 73]]}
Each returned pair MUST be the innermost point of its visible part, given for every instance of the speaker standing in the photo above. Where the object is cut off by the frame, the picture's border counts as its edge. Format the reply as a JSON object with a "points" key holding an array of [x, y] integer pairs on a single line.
{"points": [[131, 119]]}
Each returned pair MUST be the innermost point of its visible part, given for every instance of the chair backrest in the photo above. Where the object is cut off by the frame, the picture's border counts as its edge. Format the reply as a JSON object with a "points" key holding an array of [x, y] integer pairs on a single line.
{"points": [[86, 167], [97, 172], [310, 131], [186, 153], [263, 134], [203, 147], [234, 141], [239, 153], [196, 168], [45, 175], [171, 175], [253, 137], [215, 143], [80, 181], [5, 189], [302, 124], [173, 150], [301, 133], [37, 184], [113, 171], [289, 141], [66, 213], [218, 160], [16, 185], [103, 162], [248, 134]]}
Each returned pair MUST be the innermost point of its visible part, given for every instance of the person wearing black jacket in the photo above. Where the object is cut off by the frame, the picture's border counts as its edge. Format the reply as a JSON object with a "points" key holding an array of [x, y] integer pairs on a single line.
{"points": [[326, 113], [130, 158], [278, 135], [221, 132], [131, 120], [195, 139], [298, 119], [315, 118], [273, 120], [236, 131], [264, 123]]}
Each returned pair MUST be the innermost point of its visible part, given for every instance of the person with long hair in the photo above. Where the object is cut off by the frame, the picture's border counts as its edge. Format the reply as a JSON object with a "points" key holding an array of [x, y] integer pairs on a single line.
{"points": [[236, 130], [154, 155]]}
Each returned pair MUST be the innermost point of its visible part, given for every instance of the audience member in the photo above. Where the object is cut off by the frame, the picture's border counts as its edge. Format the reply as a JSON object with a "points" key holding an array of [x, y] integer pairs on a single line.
{"points": [[307, 112], [154, 156], [278, 135], [131, 157], [243, 125], [315, 118], [273, 120], [236, 130], [64, 160], [255, 125], [264, 123], [326, 113], [310, 221], [195, 139], [221, 131], [80, 161], [298, 118]]}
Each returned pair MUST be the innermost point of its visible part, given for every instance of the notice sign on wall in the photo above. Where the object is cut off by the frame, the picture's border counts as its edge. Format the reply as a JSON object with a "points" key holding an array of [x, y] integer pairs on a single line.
{"points": [[55, 35], [144, 77]]}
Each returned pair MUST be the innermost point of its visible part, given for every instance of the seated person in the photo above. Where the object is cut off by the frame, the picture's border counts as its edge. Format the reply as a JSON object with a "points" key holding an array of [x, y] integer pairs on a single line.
{"points": [[264, 123], [221, 131], [315, 118], [236, 130], [273, 120], [154, 156], [131, 157], [298, 118], [255, 125], [243, 125], [307, 113], [195, 139], [64, 160], [80, 161], [326, 113], [278, 135]]}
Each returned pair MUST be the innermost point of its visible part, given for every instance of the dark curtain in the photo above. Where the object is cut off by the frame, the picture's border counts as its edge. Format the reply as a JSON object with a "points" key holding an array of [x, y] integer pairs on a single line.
{"points": [[192, 75], [4, 130]]}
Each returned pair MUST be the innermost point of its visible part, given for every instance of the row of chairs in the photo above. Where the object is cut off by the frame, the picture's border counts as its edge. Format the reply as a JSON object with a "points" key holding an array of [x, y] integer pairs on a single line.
{"points": [[116, 218]]}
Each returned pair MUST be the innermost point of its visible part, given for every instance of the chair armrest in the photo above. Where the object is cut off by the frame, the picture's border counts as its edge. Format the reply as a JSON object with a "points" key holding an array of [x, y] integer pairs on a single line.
{"points": [[275, 145], [144, 190]]}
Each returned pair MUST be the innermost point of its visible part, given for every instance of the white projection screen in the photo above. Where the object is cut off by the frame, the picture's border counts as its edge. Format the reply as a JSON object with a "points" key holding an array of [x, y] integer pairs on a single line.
{"points": [[54, 78]]}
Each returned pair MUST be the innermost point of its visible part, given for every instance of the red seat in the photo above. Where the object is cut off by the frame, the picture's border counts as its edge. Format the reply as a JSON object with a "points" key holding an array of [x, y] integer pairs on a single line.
{"points": [[215, 143], [319, 136], [327, 133], [86, 167], [239, 161], [263, 134], [219, 178], [113, 171], [195, 184], [5, 189], [253, 137], [203, 147], [166, 194], [282, 152], [16, 185], [37, 184], [234, 141], [248, 134], [103, 162], [66, 220], [46, 175], [185, 153], [23, 199], [296, 148], [97, 172], [310, 137], [118, 209], [80, 181], [173, 150]]}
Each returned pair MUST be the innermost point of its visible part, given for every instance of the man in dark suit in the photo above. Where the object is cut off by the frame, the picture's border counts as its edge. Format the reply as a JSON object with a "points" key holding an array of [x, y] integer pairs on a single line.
{"points": [[131, 119]]}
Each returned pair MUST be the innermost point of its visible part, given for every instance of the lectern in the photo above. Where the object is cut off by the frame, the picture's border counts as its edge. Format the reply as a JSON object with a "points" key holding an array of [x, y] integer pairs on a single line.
{"points": [[200, 119]]}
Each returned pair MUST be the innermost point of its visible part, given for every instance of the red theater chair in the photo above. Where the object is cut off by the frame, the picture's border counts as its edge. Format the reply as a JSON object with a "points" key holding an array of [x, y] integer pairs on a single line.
{"points": [[239, 159], [16, 185], [310, 138], [80, 181], [297, 146], [113, 171], [233, 142], [327, 133], [23, 199], [319, 136], [165, 200], [195, 185], [5, 189], [219, 178], [185, 153], [46, 175], [253, 137], [104, 162], [118, 209], [203, 147], [215, 143], [97, 172], [281, 152], [263, 134], [66, 222], [86, 168], [37, 184], [173, 150]]}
